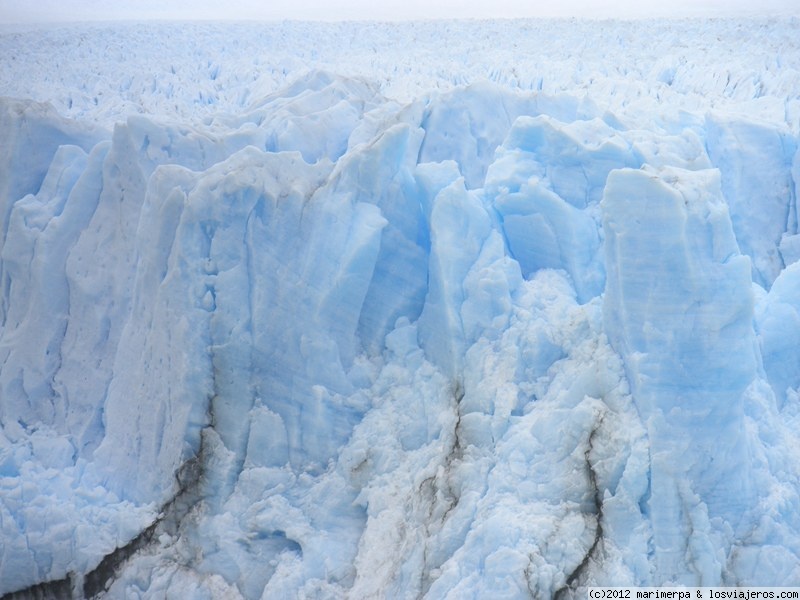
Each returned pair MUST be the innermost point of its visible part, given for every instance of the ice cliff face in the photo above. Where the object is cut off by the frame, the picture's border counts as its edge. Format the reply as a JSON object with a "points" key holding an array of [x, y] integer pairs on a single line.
{"points": [[488, 343]]}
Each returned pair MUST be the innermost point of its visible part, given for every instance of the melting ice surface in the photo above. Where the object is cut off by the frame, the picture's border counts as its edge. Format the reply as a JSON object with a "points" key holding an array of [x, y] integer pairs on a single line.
{"points": [[454, 310]]}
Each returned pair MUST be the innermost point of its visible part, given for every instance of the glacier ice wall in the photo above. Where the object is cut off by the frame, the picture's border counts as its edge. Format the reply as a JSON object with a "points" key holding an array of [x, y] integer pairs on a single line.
{"points": [[487, 342]]}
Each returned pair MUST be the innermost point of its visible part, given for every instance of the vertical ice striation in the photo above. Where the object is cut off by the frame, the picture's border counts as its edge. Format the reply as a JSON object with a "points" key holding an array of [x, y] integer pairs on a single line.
{"points": [[678, 307]]}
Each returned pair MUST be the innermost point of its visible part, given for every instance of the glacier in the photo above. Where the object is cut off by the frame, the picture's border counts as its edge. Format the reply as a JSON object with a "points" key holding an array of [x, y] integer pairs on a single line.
{"points": [[286, 318]]}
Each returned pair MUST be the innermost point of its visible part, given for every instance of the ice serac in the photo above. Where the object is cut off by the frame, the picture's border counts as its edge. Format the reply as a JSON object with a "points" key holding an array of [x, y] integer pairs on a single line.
{"points": [[777, 320], [143, 301], [678, 307], [32, 133], [468, 123], [49, 188], [545, 184], [380, 172], [459, 228], [755, 161], [225, 280]]}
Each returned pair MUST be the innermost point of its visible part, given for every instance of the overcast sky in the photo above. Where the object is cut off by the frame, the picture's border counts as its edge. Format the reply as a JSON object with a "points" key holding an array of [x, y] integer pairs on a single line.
{"points": [[23, 11]]}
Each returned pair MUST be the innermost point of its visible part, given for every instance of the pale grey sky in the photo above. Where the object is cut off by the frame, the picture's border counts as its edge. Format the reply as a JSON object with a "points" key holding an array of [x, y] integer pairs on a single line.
{"points": [[23, 11]]}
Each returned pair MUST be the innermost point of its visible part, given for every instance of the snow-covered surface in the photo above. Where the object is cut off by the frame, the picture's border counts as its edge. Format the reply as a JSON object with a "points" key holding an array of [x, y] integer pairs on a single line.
{"points": [[442, 310], [638, 70]]}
